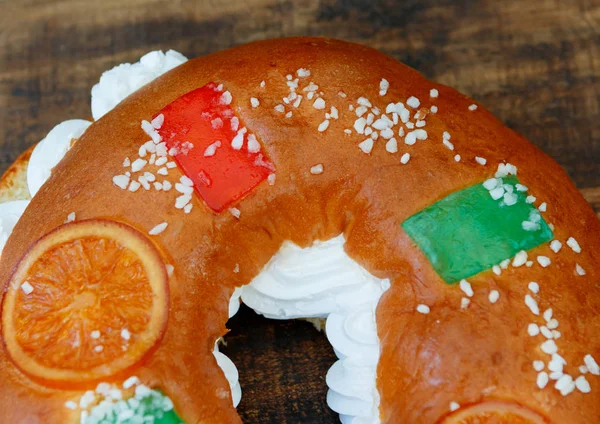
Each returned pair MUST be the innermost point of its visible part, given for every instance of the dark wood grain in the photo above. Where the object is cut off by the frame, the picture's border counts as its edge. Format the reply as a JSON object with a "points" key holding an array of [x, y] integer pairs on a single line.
{"points": [[536, 65]]}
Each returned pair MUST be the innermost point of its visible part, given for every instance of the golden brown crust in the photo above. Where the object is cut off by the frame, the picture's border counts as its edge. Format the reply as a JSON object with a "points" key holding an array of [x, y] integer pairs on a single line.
{"points": [[427, 361], [13, 183]]}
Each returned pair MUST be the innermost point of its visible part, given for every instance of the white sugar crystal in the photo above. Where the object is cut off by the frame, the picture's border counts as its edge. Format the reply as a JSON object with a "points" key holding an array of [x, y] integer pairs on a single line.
{"points": [[533, 329], [212, 149], [235, 212], [423, 309], [465, 286], [366, 146], [546, 332], [420, 134], [582, 384], [413, 102], [572, 243], [410, 138], [555, 245], [464, 302], [405, 158], [323, 125], [363, 101], [382, 123], [360, 111], [71, 405], [520, 259], [491, 184], [182, 200], [565, 385], [27, 288], [579, 270], [521, 188], [334, 113], [319, 104], [542, 380], [510, 199], [158, 229], [591, 364], [226, 98], [532, 304], [391, 146], [473, 107], [549, 347], [317, 169], [158, 122], [433, 93], [480, 161], [238, 140], [138, 164], [534, 287], [130, 382], [544, 261], [121, 181], [383, 87], [359, 125], [493, 296], [448, 144], [125, 334], [87, 399], [253, 144], [387, 133], [538, 365]]}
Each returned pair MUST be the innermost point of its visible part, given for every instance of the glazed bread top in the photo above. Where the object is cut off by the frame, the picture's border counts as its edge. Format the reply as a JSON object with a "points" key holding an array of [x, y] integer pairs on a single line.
{"points": [[468, 355]]}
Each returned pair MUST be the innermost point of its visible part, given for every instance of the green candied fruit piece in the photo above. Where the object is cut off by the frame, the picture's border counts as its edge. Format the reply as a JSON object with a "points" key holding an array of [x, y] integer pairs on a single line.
{"points": [[468, 231]]}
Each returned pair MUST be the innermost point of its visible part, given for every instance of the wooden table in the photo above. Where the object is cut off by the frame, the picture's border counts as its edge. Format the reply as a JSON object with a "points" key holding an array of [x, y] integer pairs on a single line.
{"points": [[536, 65]]}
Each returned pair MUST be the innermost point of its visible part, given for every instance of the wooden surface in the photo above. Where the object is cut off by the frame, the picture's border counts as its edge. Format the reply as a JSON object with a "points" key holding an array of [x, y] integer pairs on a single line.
{"points": [[536, 65]]}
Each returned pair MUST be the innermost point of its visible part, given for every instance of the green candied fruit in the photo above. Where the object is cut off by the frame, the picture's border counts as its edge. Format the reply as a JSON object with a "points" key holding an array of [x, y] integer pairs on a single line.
{"points": [[468, 231], [148, 407]]}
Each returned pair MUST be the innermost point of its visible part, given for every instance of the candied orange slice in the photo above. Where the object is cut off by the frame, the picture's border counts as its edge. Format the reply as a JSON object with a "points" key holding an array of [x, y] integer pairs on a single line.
{"points": [[495, 412], [88, 301]]}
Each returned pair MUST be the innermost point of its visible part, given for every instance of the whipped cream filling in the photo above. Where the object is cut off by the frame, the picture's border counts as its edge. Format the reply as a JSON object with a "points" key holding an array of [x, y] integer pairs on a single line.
{"points": [[50, 151], [122, 80], [322, 281]]}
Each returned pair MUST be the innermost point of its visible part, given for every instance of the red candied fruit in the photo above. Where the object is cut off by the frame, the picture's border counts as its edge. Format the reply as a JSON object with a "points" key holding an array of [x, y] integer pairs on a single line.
{"points": [[212, 147]]}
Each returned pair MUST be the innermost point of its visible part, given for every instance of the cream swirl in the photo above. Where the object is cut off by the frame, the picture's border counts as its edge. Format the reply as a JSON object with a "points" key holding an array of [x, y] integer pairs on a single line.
{"points": [[50, 151], [231, 374], [323, 281], [122, 80]]}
